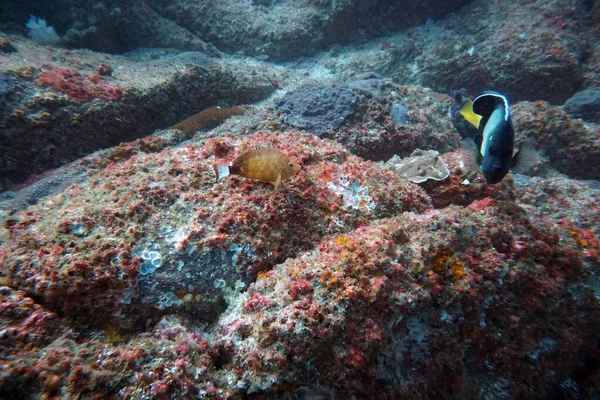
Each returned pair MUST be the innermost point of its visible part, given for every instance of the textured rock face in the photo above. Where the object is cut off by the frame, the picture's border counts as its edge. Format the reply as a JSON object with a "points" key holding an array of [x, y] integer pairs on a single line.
{"points": [[571, 144], [52, 105], [585, 104], [287, 29], [530, 54], [231, 289], [317, 108], [414, 305], [279, 29], [134, 273], [389, 308], [371, 132], [58, 105], [528, 51], [161, 235], [108, 26]]}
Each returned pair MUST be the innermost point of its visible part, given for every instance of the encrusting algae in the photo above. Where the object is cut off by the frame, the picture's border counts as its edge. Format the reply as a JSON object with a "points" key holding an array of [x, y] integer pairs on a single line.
{"points": [[266, 164]]}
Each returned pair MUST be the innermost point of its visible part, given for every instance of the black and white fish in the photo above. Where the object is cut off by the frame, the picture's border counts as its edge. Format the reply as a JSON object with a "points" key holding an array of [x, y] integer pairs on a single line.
{"points": [[493, 150]]}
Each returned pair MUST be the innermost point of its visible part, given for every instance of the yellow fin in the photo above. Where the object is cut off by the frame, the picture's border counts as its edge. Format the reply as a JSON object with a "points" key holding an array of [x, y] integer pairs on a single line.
{"points": [[278, 182], [467, 112]]}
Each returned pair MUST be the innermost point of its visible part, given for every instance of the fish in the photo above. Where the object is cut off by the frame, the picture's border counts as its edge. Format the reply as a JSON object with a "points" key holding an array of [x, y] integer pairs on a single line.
{"points": [[267, 164], [207, 119], [492, 153]]}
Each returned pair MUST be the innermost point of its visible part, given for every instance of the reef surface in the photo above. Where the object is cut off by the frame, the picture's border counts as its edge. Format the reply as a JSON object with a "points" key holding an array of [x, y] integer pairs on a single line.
{"points": [[127, 270]]}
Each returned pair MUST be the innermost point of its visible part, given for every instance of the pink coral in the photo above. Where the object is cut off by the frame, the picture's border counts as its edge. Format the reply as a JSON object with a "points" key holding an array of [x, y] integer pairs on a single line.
{"points": [[81, 87]]}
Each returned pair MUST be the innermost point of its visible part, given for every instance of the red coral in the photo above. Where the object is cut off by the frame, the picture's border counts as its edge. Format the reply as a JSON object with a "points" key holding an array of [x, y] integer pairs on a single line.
{"points": [[300, 288], [81, 87]]}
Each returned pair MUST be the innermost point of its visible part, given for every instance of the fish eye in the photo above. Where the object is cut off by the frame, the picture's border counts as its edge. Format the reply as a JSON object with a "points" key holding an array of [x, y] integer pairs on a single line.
{"points": [[291, 165]]}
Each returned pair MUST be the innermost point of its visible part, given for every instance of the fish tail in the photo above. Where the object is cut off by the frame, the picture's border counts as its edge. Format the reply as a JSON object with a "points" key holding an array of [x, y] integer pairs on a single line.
{"points": [[221, 171]]}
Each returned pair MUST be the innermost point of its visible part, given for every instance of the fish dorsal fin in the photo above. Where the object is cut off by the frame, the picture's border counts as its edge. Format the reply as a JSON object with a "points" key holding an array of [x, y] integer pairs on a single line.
{"points": [[467, 112], [252, 153], [486, 103]]}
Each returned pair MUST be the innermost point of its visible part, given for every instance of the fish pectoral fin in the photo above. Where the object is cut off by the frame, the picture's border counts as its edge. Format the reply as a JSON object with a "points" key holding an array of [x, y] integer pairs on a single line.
{"points": [[467, 112], [216, 169], [525, 158], [221, 171], [470, 155], [278, 182]]}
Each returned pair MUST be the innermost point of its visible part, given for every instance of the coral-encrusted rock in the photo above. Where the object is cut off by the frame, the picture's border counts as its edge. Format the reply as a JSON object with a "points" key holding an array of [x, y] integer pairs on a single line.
{"points": [[57, 105], [24, 324], [463, 187], [156, 232], [317, 107], [527, 50], [418, 306], [280, 29], [153, 365], [585, 104], [561, 199], [371, 132], [572, 145], [285, 29], [448, 303], [596, 14]]}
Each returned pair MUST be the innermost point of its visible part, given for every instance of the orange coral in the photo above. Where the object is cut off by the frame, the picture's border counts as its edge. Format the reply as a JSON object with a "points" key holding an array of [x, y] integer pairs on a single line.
{"points": [[81, 87], [586, 240], [342, 240], [446, 265]]}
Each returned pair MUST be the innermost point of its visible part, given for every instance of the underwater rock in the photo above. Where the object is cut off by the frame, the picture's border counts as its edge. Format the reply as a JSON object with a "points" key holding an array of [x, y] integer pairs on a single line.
{"points": [[522, 52], [134, 273], [55, 108], [12, 201], [346, 276], [394, 301], [6, 46], [371, 132], [287, 29], [371, 85], [7, 84], [561, 199], [571, 145], [117, 241], [317, 107], [585, 104], [463, 187]]}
